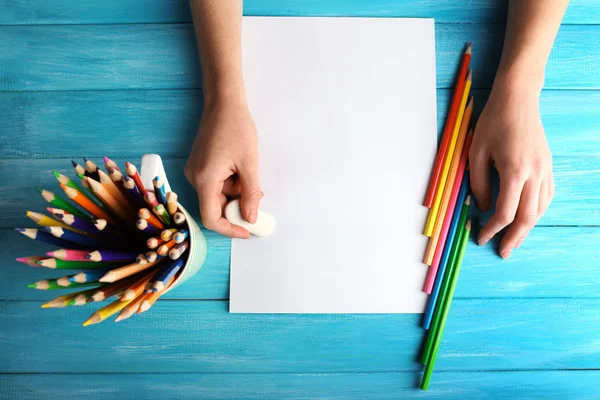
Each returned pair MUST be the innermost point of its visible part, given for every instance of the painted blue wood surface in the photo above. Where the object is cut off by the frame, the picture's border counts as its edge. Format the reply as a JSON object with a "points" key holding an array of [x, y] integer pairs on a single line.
{"points": [[51, 123], [461, 385], [23, 12], [518, 328], [577, 200], [544, 266], [165, 56]]}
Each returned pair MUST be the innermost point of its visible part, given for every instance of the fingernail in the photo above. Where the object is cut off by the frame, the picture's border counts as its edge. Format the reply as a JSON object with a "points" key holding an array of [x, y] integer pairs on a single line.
{"points": [[505, 254], [483, 241], [252, 216], [518, 245]]}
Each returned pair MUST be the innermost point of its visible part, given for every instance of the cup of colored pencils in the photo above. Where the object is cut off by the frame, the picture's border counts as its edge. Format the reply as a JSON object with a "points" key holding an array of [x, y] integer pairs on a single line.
{"points": [[448, 225], [124, 236]]}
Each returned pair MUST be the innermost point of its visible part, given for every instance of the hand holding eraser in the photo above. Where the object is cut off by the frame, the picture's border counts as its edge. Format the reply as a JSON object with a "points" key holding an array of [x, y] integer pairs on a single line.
{"points": [[263, 227]]}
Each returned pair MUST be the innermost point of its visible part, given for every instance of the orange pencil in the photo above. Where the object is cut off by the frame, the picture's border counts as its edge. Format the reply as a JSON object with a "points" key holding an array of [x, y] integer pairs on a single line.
{"points": [[127, 270], [450, 122], [451, 182], [144, 213], [138, 287], [86, 203], [448, 158], [109, 200], [163, 250], [114, 191], [150, 298], [131, 308]]}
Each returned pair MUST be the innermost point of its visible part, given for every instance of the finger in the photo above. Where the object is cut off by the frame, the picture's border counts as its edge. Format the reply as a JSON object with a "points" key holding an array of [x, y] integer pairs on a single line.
{"points": [[251, 193], [231, 186], [506, 208], [480, 178], [212, 201], [550, 187], [526, 218], [544, 199]]}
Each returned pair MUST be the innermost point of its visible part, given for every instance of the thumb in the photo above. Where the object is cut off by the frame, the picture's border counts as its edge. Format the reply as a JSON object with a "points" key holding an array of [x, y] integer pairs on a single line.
{"points": [[250, 194], [480, 178]]}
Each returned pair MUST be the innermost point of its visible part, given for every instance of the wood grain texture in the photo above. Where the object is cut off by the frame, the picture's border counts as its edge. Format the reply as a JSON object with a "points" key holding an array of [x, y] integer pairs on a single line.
{"points": [[544, 266], [165, 57], [378, 386], [577, 179], [490, 334], [22, 12], [89, 123]]}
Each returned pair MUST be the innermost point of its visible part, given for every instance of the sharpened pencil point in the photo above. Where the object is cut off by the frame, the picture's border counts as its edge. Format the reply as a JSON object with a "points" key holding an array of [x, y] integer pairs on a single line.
{"points": [[39, 189], [56, 174], [73, 163], [469, 48], [31, 285], [106, 159]]}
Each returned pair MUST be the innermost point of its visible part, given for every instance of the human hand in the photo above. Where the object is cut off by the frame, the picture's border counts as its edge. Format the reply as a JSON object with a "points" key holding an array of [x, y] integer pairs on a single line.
{"points": [[223, 164], [510, 135]]}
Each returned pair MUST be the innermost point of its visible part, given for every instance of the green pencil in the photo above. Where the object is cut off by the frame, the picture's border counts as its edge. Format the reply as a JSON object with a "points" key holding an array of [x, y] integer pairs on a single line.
{"points": [[52, 284], [426, 353], [60, 203], [446, 306], [68, 182], [55, 263]]}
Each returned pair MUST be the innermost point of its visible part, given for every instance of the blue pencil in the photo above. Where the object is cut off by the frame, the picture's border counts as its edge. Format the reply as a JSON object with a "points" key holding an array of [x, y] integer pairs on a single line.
{"points": [[46, 237], [462, 195], [74, 237], [180, 236], [165, 275], [159, 190], [133, 192], [88, 276]]}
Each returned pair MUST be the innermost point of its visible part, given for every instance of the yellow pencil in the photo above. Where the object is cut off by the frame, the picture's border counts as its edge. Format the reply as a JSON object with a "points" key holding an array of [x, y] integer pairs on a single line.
{"points": [[44, 220], [106, 311], [448, 159]]}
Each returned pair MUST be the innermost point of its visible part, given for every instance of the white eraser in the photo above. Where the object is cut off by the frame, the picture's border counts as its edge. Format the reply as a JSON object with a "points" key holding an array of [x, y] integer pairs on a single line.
{"points": [[264, 226]]}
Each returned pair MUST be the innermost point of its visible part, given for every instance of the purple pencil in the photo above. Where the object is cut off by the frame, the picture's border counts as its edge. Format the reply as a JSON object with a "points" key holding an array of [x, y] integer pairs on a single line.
{"points": [[133, 192], [112, 255]]}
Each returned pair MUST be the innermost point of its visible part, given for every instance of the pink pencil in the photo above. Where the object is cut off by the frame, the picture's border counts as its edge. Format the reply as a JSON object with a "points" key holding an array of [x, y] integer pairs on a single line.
{"points": [[437, 255], [69, 255]]}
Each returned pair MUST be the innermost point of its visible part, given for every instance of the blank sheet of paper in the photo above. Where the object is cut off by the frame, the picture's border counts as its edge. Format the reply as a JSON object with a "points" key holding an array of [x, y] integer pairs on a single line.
{"points": [[346, 116]]}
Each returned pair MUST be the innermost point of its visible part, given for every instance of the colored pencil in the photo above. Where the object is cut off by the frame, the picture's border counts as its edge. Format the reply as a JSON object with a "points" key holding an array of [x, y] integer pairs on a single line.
{"points": [[74, 237], [178, 218], [109, 200], [154, 242], [181, 236], [87, 276], [87, 204], [130, 308], [65, 281], [459, 160], [133, 192], [114, 191], [32, 261], [60, 301], [172, 203], [79, 170], [150, 199], [43, 220], [162, 214], [106, 312], [138, 287], [116, 176], [126, 271], [448, 158], [60, 203], [445, 309], [449, 248], [166, 274], [55, 263], [55, 211], [146, 227], [141, 259], [69, 255], [163, 250], [51, 284], [91, 168], [111, 289], [82, 297], [448, 127], [86, 185], [150, 298], [159, 190], [68, 182], [132, 172], [167, 234], [152, 256], [79, 224], [112, 255], [46, 237], [144, 213], [443, 292], [178, 250], [108, 164]]}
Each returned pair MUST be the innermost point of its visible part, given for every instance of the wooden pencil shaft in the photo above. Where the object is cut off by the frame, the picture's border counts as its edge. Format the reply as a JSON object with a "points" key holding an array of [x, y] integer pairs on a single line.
{"points": [[126, 271], [60, 203], [172, 202]]}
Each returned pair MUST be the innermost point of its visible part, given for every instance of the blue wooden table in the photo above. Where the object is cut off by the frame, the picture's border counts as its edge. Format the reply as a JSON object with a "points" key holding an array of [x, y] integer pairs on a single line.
{"points": [[121, 78]]}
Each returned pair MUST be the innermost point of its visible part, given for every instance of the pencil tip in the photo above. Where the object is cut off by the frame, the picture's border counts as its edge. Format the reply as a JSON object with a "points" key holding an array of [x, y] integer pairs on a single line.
{"points": [[106, 159], [73, 163], [39, 189], [468, 200], [46, 305], [118, 318], [85, 159], [31, 285], [469, 47], [20, 230], [86, 323], [470, 75], [56, 174], [468, 224]]}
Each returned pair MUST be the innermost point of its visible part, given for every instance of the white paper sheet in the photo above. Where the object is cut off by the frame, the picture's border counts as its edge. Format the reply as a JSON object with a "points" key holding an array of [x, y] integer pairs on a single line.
{"points": [[346, 115]]}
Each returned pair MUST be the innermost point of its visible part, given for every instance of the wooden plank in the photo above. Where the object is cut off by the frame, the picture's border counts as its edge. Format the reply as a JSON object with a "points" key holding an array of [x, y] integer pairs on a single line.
{"points": [[492, 334], [52, 124], [545, 266], [80, 57], [22, 12], [380, 386], [577, 200]]}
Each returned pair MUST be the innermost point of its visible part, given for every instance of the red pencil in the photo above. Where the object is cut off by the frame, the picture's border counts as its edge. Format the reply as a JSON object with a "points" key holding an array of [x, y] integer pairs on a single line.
{"points": [[446, 135], [132, 172]]}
